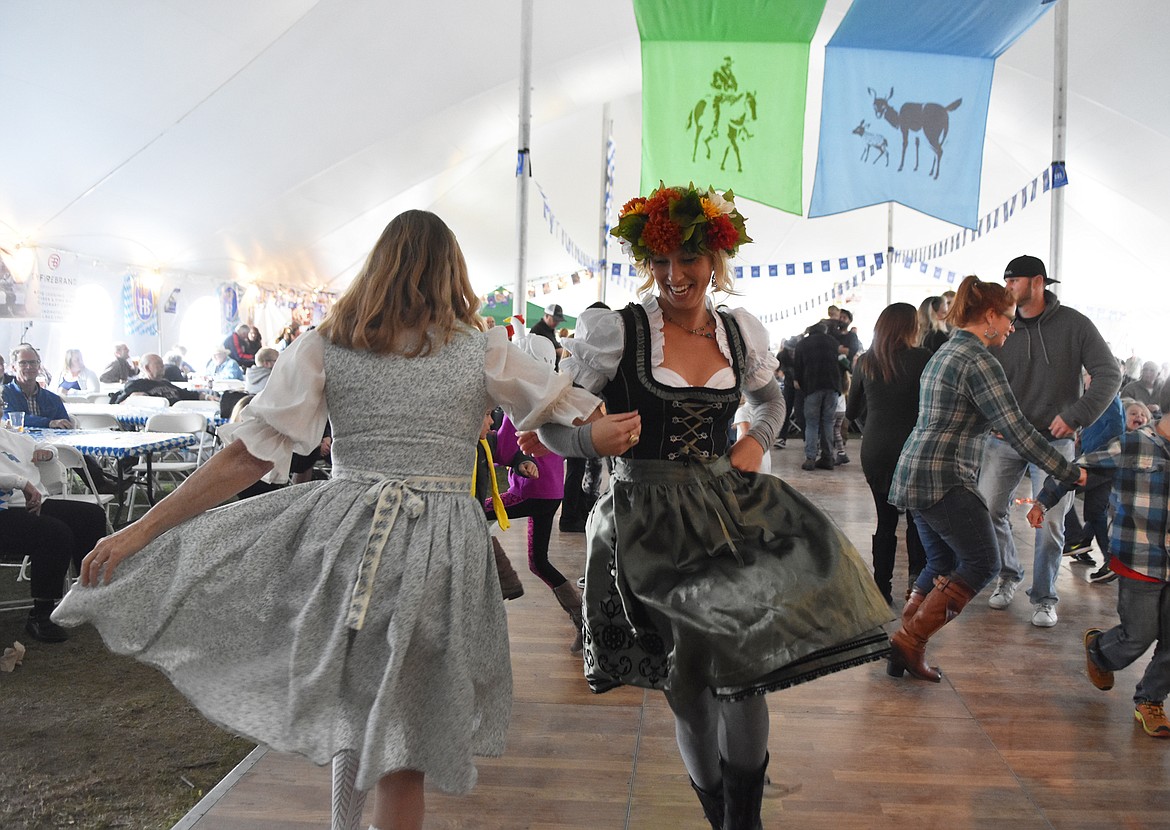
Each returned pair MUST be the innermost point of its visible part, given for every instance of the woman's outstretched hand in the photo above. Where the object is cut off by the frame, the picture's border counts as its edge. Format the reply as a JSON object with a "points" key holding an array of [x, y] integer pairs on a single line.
{"points": [[100, 562], [615, 434], [747, 455]]}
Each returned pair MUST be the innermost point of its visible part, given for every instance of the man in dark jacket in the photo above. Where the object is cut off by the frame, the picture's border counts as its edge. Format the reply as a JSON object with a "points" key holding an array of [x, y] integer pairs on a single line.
{"points": [[818, 376], [154, 383], [1043, 360]]}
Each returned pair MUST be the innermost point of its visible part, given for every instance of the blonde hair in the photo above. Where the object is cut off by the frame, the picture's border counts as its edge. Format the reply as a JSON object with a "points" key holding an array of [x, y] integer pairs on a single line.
{"points": [[414, 283], [724, 276]]}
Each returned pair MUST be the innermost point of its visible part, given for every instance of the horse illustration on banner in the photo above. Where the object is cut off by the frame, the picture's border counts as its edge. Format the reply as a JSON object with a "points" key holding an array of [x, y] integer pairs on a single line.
{"points": [[932, 120], [731, 108]]}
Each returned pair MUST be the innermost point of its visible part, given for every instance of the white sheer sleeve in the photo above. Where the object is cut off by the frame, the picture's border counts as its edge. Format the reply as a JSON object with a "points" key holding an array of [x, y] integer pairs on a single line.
{"points": [[529, 390], [761, 363], [290, 414], [595, 350]]}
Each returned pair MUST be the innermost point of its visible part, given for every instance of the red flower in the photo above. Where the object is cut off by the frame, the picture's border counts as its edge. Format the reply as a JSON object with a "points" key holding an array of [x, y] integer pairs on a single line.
{"points": [[721, 234]]}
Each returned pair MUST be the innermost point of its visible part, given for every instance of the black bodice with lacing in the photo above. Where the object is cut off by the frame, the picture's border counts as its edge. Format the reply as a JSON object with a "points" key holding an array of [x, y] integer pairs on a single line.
{"points": [[678, 423]]}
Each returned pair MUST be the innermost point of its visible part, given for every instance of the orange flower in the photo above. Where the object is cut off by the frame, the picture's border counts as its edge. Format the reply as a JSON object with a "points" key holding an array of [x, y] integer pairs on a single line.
{"points": [[661, 235], [709, 210], [634, 206]]}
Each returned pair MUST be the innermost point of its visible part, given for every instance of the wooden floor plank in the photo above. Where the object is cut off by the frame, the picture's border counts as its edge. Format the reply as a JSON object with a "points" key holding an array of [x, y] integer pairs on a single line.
{"points": [[1014, 737]]}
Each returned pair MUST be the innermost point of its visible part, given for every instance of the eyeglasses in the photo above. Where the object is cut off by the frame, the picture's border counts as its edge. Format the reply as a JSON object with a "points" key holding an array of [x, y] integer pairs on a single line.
{"points": [[28, 363], [1011, 321]]}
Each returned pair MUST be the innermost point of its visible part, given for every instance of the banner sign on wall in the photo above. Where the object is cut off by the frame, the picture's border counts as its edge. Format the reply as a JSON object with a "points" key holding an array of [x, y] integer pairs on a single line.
{"points": [[229, 308], [904, 105], [723, 95], [139, 306], [52, 289]]}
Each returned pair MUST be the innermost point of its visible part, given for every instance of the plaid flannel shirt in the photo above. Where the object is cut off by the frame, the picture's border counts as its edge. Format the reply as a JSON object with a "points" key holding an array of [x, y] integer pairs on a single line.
{"points": [[1140, 461], [964, 395]]}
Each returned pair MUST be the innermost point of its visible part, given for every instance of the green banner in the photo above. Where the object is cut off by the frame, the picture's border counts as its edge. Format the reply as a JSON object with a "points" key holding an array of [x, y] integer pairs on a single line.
{"points": [[723, 94]]}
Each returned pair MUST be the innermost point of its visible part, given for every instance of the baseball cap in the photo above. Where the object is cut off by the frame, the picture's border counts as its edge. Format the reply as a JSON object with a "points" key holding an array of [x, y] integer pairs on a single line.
{"points": [[555, 312], [1027, 266]]}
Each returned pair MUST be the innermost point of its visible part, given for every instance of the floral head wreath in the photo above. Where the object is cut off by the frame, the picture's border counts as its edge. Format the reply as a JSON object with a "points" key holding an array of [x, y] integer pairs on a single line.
{"points": [[671, 218]]}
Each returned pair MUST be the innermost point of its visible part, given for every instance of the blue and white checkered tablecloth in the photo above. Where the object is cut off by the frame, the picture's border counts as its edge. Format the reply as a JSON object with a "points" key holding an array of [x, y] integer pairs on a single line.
{"points": [[130, 415], [115, 444]]}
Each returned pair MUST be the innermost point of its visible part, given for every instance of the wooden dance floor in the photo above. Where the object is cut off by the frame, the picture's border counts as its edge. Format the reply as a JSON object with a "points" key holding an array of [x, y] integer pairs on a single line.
{"points": [[1014, 737]]}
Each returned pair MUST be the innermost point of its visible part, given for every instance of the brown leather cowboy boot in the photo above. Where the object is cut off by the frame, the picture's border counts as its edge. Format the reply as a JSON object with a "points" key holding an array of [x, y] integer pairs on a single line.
{"points": [[912, 602], [908, 645]]}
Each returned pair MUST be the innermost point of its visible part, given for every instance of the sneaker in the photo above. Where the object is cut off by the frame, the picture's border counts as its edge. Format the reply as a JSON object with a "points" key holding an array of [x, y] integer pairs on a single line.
{"points": [[1001, 597], [1082, 558], [824, 463], [1100, 678], [842, 458], [1152, 717], [808, 464], [1105, 574], [1045, 615], [1073, 548]]}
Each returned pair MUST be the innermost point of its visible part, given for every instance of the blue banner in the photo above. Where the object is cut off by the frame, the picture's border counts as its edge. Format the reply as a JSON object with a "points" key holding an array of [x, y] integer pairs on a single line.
{"points": [[904, 108]]}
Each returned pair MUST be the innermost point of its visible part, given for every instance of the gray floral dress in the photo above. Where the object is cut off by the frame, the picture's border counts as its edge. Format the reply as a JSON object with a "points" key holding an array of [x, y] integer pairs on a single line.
{"points": [[362, 613]]}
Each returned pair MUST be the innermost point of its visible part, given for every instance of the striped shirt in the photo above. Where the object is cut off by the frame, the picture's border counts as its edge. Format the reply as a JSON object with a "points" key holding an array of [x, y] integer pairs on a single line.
{"points": [[1140, 461], [964, 395]]}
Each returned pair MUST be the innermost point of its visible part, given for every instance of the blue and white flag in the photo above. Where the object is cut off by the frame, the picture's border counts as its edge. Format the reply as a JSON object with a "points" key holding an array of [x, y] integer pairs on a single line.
{"points": [[139, 306], [904, 109]]}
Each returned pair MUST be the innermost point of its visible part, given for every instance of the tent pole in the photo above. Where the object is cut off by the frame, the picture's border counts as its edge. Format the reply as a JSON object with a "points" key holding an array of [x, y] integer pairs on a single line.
{"points": [[606, 196], [523, 161], [889, 252], [1059, 128]]}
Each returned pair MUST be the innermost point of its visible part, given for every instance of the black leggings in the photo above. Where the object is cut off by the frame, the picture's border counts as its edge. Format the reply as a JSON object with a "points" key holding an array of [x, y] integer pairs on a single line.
{"points": [[63, 533], [540, 513], [885, 541]]}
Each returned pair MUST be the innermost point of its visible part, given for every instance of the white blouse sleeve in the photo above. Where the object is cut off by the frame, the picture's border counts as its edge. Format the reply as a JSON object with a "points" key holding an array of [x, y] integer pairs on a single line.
{"points": [[595, 350], [290, 414], [531, 392], [761, 363]]}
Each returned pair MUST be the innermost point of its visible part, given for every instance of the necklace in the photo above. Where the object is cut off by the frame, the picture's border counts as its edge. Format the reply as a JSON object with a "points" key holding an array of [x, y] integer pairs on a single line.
{"points": [[701, 331]]}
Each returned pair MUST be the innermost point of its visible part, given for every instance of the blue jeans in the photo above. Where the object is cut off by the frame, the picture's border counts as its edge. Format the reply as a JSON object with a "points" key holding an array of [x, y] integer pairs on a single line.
{"points": [[999, 476], [1144, 609], [959, 540], [820, 407]]}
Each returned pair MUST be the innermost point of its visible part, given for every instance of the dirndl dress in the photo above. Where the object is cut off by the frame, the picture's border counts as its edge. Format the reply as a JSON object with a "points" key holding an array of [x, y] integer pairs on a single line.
{"points": [[362, 614], [700, 576]]}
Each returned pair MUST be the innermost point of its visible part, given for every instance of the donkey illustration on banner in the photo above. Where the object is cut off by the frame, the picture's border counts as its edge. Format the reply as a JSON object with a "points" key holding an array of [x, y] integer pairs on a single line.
{"points": [[873, 141], [932, 120]]}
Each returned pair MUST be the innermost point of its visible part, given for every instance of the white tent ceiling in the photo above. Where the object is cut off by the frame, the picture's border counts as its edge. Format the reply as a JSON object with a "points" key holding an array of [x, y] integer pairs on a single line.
{"points": [[273, 139]]}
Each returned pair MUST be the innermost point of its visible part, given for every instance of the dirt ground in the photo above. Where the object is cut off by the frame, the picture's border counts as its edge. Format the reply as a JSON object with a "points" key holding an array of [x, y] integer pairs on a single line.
{"points": [[91, 740]]}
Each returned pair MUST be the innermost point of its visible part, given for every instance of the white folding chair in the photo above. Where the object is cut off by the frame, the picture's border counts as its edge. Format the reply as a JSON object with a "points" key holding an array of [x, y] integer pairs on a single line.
{"points": [[73, 463], [147, 402], [96, 421], [177, 465]]}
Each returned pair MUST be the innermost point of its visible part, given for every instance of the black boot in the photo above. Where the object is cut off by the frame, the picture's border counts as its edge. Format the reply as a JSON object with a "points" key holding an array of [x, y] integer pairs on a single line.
{"points": [[743, 795], [712, 804], [884, 549]]}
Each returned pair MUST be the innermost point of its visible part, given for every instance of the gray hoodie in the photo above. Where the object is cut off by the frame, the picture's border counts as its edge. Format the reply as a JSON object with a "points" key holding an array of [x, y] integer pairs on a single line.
{"points": [[1043, 360]]}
